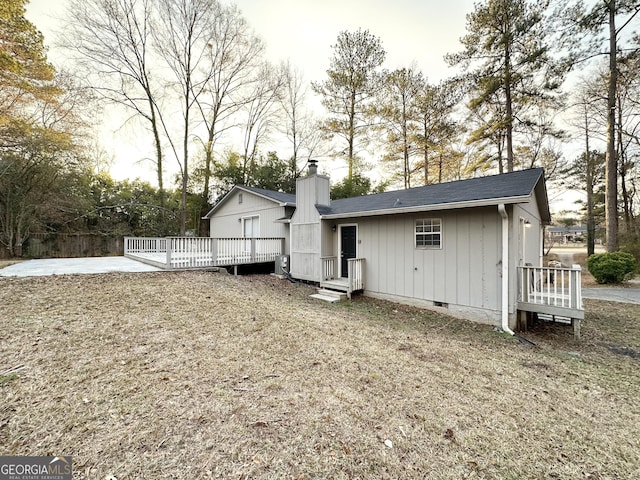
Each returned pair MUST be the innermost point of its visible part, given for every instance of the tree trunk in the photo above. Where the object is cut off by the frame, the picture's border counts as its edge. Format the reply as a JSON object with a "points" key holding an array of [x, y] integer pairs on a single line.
{"points": [[509, 107], [405, 149], [352, 134], [591, 224], [622, 163], [611, 173]]}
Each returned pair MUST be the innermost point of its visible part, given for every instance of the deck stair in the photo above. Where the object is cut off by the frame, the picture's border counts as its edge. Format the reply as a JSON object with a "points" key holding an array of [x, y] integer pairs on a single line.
{"points": [[337, 284], [329, 295]]}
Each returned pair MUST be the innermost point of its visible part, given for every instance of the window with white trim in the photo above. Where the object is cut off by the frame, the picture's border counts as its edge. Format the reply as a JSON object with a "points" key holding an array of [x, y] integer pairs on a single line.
{"points": [[429, 233]]}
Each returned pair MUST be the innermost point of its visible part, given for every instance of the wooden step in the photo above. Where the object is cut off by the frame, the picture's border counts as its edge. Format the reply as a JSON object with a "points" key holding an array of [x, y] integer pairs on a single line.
{"points": [[338, 285], [329, 295]]}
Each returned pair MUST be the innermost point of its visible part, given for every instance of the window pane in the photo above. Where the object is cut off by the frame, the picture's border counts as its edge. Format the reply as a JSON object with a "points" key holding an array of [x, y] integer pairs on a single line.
{"points": [[428, 232]]}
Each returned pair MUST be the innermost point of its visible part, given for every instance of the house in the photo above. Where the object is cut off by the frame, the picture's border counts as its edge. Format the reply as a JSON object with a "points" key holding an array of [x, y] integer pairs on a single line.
{"points": [[461, 246], [251, 213], [566, 235]]}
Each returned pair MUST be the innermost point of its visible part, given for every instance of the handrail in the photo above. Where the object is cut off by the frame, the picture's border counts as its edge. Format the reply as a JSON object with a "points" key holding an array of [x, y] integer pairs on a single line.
{"points": [[553, 286], [190, 252], [355, 275], [328, 267]]}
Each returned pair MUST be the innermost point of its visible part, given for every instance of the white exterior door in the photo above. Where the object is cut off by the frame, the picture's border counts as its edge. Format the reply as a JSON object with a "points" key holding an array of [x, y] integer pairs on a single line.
{"points": [[250, 229]]}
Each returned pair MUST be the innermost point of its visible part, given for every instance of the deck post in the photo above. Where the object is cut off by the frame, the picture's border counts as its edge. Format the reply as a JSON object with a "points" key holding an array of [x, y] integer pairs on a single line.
{"points": [[576, 328], [253, 249], [214, 250], [574, 286], [523, 320], [169, 246]]}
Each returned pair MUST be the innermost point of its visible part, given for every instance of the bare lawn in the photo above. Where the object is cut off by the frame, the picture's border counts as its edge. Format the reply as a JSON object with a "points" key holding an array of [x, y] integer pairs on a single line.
{"points": [[203, 375]]}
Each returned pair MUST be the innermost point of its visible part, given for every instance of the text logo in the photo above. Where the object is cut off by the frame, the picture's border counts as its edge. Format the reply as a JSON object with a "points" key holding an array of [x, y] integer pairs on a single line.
{"points": [[36, 468]]}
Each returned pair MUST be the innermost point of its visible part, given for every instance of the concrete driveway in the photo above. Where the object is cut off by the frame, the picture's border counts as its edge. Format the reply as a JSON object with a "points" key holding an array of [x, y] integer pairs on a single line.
{"points": [[613, 294], [68, 266]]}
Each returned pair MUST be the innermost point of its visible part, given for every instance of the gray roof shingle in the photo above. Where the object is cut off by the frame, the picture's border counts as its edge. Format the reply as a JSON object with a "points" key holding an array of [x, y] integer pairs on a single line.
{"points": [[505, 186], [496, 187], [276, 196]]}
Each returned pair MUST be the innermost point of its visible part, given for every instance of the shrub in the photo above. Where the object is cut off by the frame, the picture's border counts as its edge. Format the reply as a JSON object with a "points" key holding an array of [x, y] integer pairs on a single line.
{"points": [[631, 244], [611, 267]]}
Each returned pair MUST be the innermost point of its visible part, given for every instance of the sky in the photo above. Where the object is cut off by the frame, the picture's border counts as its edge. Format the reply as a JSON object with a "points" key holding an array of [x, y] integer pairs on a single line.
{"points": [[301, 31], [416, 32]]}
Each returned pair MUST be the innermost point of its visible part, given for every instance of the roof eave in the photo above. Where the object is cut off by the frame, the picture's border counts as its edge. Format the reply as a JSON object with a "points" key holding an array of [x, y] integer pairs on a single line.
{"points": [[428, 208]]}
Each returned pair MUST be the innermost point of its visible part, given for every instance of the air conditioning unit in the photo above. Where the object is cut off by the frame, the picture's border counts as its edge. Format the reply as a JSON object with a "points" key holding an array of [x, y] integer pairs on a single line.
{"points": [[282, 265]]}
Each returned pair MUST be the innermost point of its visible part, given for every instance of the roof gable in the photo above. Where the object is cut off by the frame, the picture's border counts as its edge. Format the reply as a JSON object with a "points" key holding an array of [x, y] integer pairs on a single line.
{"points": [[280, 198]]}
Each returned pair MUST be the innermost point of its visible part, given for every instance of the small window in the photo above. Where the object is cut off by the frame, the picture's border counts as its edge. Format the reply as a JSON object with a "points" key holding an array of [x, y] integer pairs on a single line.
{"points": [[428, 233], [239, 198]]}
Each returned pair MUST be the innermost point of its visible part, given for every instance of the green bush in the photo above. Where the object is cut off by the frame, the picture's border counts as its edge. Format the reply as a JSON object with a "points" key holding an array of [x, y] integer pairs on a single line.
{"points": [[631, 244], [611, 267]]}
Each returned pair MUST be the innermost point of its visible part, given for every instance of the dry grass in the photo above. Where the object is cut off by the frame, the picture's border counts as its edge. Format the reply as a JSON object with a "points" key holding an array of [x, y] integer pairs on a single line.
{"points": [[201, 375], [6, 263]]}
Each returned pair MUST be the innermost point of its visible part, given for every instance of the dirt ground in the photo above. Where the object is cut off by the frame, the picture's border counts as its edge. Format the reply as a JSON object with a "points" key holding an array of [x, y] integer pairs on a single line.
{"points": [[204, 375]]}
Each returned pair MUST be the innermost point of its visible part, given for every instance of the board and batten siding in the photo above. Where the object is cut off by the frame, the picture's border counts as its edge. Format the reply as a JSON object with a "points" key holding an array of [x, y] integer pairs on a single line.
{"points": [[464, 273], [306, 231], [227, 220], [529, 248]]}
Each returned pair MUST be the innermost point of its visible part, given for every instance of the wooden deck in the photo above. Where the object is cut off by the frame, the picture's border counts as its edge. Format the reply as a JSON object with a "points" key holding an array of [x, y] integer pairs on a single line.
{"points": [[173, 253], [553, 292], [353, 282]]}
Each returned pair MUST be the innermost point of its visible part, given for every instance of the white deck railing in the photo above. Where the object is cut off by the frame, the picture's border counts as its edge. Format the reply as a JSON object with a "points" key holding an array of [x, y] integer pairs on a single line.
{"points": [[556, 287], [355, 267], [355, 275], [194, 252], [328, 267]]}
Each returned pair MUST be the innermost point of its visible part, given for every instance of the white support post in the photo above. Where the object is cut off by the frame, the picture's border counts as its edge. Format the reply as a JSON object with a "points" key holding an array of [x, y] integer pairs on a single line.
{"points": [[214, 250], [169, 247]]}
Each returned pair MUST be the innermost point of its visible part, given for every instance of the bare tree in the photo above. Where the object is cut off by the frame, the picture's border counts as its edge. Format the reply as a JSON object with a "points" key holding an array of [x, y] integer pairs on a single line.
{"points": [[300, 127], [182, 38], [605, 22], [111, 42], [233, 53], [260, 112]]}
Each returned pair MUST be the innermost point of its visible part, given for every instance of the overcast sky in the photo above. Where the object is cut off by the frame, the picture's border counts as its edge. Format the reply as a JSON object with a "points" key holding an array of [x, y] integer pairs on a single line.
{"points": [[304, 30]]}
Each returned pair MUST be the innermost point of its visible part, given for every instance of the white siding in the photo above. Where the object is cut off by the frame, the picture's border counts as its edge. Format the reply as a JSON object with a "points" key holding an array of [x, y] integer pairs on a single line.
{"points": [[464, 273], [306, 233], [227, 220]]}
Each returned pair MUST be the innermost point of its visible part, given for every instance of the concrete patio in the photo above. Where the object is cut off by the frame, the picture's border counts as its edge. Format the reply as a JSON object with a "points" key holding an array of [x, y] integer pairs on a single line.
{"points": [[71, 266]]}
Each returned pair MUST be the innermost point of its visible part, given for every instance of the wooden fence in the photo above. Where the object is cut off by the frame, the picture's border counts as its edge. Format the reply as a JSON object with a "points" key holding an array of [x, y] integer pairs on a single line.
{"points": [[69, 245]]}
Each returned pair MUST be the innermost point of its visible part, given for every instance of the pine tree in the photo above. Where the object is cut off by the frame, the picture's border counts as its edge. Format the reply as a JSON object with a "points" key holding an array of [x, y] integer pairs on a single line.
{"points": [[352, 83], [508, 67]]}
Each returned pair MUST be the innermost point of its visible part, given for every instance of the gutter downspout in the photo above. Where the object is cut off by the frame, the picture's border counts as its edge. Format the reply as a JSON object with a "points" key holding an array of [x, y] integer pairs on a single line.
{"points": [[505, 269]]}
